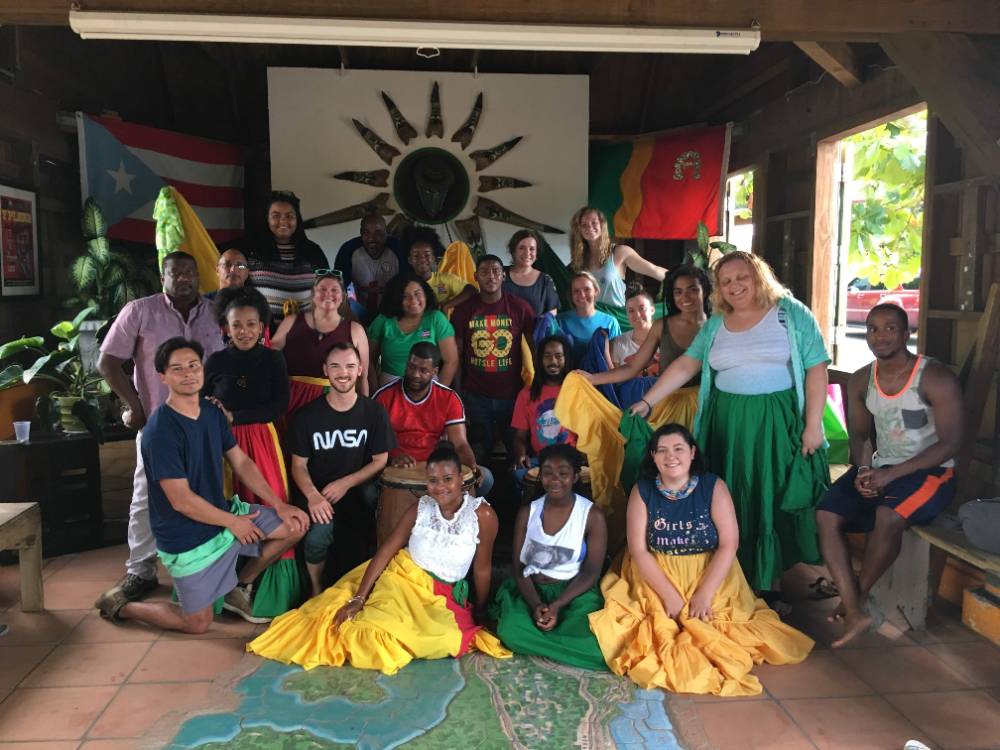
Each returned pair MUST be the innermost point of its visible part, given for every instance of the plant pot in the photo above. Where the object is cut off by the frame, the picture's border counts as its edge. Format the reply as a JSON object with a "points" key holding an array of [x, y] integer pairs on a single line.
{"points": [[89, 348], [69, 422]]}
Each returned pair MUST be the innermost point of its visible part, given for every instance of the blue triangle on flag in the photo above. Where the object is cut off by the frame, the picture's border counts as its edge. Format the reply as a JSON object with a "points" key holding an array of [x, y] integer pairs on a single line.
{"points": [[116, 178]]}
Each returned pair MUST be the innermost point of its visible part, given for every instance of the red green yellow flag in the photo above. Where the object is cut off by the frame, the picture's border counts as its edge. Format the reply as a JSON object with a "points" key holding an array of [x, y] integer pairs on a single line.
{"points": [[660, 187]]}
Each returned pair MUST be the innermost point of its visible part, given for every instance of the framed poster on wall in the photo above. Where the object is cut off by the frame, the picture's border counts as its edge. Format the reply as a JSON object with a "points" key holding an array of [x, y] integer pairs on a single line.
{"points": [[18, 243]]}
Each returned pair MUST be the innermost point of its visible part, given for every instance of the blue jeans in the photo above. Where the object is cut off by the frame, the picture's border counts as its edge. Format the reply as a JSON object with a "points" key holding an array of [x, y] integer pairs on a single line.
{"points": [[520, 473], [487, 419]]}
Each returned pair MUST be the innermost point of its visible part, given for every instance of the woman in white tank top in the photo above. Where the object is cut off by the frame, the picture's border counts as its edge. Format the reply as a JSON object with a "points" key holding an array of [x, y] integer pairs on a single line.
{"points": [[560, 541]]}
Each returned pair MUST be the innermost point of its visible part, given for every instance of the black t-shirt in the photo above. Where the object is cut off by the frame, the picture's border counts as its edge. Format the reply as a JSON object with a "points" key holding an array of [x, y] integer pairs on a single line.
{"points": [[338, 443]]}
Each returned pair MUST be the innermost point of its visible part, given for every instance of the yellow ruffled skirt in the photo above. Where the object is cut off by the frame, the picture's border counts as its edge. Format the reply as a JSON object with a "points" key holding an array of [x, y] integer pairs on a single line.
{"points": [[408, 615], [687, 655]]}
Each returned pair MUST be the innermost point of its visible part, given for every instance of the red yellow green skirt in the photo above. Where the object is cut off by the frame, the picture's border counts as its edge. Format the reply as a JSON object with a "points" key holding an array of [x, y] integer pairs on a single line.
{"points": [[408, 615]]}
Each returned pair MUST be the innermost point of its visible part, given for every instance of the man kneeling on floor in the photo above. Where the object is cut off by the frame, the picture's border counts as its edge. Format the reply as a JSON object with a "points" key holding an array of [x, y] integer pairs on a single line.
{"points": [[199, 534], [916, 406]]}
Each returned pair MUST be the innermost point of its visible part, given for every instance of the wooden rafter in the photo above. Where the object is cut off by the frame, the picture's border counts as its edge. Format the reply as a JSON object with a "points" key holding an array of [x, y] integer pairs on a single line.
{"points": [[959, 84], [837, 59], [787, 20]]}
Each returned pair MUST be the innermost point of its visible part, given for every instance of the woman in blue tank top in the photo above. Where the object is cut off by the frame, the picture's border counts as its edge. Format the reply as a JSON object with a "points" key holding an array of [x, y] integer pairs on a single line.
{"points": [[678, 612]]}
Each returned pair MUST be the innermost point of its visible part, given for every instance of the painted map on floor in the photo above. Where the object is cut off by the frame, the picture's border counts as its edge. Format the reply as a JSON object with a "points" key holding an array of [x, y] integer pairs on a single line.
{"points": [[474, 702]]}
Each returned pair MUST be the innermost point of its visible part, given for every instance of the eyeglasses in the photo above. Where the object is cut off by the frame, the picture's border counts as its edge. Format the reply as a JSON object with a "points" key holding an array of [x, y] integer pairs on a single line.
{"points": [[323, 272], [238, 266]]}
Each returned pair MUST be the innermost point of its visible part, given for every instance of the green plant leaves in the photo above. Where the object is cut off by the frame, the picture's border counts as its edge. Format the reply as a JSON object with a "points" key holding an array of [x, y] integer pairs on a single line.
{"points": [[11, 376], [83, 272], [87, 411], [25, 343], [99, 249], [703, 236], [48, 413], [63, 330], [92, 221]]}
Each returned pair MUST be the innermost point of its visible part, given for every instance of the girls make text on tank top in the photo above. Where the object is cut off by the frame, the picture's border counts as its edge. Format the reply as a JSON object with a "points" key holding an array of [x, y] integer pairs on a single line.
{"points": [[904, 423], [683, 526]]}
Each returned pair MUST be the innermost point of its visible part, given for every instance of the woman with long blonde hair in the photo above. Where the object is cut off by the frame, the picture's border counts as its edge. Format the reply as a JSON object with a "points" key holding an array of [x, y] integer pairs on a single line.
{"points": [[759, 423], [592, 250]]}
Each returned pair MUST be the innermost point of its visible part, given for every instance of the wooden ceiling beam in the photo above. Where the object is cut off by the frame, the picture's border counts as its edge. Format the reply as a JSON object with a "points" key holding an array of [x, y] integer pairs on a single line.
{"points": [[960, 86], [781, 20], [837, 59]]}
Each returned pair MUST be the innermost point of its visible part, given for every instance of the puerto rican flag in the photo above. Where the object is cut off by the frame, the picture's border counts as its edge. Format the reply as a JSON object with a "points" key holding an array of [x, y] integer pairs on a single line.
{"points": [[123, 166]]}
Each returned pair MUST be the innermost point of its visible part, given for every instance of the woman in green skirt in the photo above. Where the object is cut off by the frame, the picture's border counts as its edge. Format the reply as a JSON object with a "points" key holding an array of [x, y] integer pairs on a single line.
{"points": [[560, 541], [760, 412]]}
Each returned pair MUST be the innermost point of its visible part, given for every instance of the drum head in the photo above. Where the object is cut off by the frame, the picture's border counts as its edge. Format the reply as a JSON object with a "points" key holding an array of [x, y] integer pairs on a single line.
{"points": [[415, 477]]}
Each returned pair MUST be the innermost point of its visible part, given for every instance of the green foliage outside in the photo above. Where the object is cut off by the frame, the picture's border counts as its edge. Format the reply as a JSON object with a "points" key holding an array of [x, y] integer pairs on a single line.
{"points": [[887, 214], [742, 187]]}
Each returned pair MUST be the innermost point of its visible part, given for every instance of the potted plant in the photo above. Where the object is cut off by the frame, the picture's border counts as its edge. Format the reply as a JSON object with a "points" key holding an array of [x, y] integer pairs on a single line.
{"points": [[704, 256], [73, 402], [104, 279]]}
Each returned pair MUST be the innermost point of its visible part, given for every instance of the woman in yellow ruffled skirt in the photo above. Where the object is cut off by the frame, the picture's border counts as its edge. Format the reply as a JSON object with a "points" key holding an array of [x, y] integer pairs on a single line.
{"points": [[679, 613], [405, 603]]}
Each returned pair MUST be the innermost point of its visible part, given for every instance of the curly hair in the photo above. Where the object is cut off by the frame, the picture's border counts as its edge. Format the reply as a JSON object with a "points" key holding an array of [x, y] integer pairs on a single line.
{"points": [[392, 300], [418, 234], [230, 298], [564, 451], [579, 251], [679, 272]]}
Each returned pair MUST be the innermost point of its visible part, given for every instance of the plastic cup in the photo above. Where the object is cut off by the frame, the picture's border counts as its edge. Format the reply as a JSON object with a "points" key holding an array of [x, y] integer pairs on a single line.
{"points": [[22, 431]]}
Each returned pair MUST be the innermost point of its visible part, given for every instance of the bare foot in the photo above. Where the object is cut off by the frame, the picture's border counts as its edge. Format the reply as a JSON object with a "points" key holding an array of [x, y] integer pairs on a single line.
{"points": [[838, 614], [854, 625]]}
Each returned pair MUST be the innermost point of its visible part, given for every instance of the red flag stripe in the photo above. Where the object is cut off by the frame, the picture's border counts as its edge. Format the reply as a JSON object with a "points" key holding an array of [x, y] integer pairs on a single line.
{"points": [[174, 144], [140, 230], [212, 197]]}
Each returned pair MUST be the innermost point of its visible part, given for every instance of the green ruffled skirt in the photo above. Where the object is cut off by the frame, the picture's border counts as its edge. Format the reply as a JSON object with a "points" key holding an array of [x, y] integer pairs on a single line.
{"points": [[569, 642], [755, 444]]}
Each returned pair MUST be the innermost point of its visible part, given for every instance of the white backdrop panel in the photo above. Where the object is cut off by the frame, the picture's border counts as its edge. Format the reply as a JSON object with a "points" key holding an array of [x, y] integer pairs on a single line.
{"points": [[312, 138]]}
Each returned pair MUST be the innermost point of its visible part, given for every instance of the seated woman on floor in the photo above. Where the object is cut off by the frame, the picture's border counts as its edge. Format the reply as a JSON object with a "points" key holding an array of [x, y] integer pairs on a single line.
{"points": [[559, 545], [678, 612], [410, 601]]}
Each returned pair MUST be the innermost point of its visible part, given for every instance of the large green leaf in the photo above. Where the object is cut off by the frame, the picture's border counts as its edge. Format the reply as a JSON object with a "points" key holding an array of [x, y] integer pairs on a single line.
{"points": [[10, 376], [83, 315], [99, 248], [48, 363], [63, 330], [83, 272], [93, 223], [23, 344], [87, 412], [703, 237]]}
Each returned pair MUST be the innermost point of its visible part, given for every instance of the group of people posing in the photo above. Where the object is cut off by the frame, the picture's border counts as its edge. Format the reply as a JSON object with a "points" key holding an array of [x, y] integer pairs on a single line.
{"points": [[276, 440]]}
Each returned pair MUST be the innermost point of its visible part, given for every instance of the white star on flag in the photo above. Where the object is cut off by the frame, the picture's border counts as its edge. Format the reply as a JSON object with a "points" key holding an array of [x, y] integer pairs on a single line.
{"points": [[123, 180]]}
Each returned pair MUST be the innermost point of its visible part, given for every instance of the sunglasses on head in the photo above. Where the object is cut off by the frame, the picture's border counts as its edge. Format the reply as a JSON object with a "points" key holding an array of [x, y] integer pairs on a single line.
{"points": [[323, 272]]}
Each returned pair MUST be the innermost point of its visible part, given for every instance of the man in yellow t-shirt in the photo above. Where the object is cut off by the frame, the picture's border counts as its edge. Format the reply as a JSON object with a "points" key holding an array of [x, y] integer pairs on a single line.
{"points": [[449, 289]]}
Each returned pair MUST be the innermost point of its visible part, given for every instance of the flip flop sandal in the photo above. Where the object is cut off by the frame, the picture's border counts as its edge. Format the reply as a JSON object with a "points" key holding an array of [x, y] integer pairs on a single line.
{"points": [[775, 602], [823, 588]]}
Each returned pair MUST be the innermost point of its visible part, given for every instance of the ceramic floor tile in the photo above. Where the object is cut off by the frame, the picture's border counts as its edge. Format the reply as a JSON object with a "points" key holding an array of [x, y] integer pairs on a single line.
{"points": [[959, 720], [95, 629], [903, 670], [189, 660], [39, 627], [138, 707], [87, 664], [10, 586], [16, 662], [821, 675], [859, 723], [750, 724], [976, 661], [73, 594], [812, 621], [63, 713], [944, 625], [107, 569]]}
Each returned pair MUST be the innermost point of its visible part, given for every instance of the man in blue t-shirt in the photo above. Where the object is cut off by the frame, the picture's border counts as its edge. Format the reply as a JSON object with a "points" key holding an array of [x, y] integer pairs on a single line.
{"points": [[199, 533]]}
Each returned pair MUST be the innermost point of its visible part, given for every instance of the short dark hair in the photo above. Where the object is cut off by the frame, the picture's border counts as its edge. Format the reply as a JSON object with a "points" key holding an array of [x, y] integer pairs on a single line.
{"points": [[392, 300], [648, 469], [698, 275], [418, 234], [342, 346], [373, 215], [427, 350], [538, 380], [164, 351], [230, 298], [640, 292], [176, 255], [890, 307], [489, 258], [444, 452], [564, 451]]}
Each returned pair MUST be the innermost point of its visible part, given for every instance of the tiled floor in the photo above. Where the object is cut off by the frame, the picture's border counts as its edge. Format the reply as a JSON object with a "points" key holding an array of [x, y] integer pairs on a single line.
{"points": [[69, 680]]}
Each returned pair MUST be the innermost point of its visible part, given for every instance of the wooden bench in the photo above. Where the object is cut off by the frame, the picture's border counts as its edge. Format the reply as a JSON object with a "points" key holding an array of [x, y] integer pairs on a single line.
{"points": [[904, 592], [21, 529]]}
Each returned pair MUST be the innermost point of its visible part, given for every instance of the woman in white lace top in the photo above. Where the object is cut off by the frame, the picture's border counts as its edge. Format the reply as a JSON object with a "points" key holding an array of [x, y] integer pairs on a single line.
{"points": [[367, 618]]}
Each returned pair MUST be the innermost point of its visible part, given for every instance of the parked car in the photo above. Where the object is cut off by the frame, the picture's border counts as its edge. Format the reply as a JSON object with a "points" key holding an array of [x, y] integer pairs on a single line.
{"points": [[862, 296]]}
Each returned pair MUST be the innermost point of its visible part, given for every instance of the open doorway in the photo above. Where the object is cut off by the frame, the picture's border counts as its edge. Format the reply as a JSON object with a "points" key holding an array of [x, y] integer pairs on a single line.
{"points": [[739, 210], [875, 231]]}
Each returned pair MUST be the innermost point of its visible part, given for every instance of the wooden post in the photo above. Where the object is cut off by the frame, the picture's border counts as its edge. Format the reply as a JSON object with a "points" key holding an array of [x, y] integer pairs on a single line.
{"points": [[824, 238]]}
